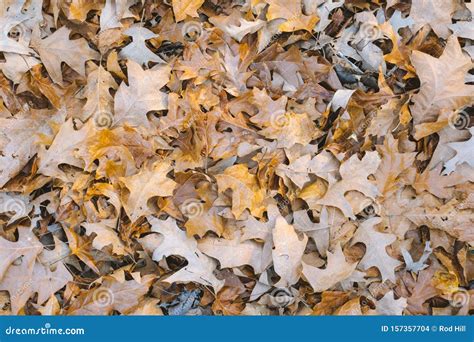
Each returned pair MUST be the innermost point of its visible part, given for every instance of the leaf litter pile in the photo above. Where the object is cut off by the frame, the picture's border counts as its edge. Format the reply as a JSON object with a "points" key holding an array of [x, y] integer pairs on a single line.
{"points": [[251, 157]]}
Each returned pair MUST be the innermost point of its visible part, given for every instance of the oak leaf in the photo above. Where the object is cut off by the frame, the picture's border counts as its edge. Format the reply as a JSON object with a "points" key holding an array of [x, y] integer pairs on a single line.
{"points": [[246, 193], [376, 254], [233, 253], [142, 94], [319, 232], [148, 183], [58, 48], [137, 50], [105, 235], [18, 141], [291, 12], [78, 9], [436, 13], [464, 154], [97, 92], [175, 242], [388, 305], [287, 253], [81, 247], [22, 274], [337, 269], [63, 149], [114, 293], [393, 164], [27, 248], [354, 173], [183, 8], [443, 87]]}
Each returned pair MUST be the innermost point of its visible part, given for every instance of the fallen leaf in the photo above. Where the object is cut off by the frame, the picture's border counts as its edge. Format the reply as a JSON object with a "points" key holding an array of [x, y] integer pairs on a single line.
{"points": [[337, 269]]}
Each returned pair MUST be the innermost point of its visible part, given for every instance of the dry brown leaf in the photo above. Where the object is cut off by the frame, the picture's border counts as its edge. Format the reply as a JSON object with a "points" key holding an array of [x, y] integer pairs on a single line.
{"points": [[287, 253], [337, 269], [265, 157], [376, 253]]}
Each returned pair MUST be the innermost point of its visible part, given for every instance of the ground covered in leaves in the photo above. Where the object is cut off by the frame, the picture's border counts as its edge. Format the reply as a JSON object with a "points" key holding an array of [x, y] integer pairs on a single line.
{"points": [[249, 157]]}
